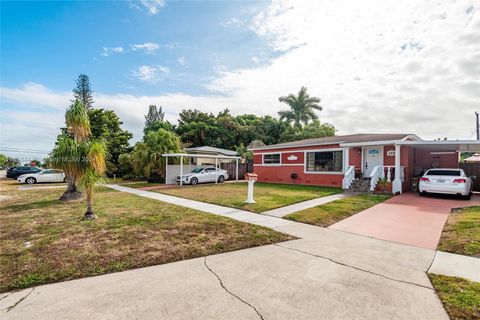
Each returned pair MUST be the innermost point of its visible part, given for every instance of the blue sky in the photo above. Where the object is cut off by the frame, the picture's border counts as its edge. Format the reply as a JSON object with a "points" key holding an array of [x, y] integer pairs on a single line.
{"points": [[52, 42], [379, 66]]}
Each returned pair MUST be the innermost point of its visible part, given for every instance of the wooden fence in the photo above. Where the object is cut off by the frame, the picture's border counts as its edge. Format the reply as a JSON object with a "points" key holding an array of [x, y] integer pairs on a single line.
{"points": [[472, 169]]}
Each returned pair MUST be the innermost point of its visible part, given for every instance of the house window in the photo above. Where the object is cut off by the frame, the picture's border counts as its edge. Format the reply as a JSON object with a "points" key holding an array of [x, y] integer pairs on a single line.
{"points": [[328, 161], [273, 158]]}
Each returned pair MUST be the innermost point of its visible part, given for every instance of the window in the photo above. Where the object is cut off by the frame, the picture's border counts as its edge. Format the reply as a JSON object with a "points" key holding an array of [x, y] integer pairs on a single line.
{"points": [[455, 173], [273, 158], [327, 161]]}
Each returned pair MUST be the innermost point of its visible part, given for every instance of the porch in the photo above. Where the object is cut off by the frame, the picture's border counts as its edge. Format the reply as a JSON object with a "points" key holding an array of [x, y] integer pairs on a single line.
{"points": [[400, 161]]}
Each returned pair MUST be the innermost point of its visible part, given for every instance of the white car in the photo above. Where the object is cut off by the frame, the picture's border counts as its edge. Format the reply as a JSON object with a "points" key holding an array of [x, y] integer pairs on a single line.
{"points": [[202, 175], [446, 181], [49, 175]]}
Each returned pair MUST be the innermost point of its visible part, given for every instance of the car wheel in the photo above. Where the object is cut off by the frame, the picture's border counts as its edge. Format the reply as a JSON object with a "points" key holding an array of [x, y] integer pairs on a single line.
{"points": [[65, 179], [31, 181], [193, 181], [221, 179], [423, 193]]}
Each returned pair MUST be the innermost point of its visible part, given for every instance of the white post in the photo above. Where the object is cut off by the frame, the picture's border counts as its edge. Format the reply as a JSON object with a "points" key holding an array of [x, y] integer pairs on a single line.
{"points": [[250, 191], [236, 170], [166, 169], [397, 182], [181, 170], [346, 158], [216, 176]]}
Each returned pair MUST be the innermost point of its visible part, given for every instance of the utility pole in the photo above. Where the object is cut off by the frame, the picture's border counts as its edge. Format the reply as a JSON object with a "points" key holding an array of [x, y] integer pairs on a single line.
{"points": [[478, 126]]}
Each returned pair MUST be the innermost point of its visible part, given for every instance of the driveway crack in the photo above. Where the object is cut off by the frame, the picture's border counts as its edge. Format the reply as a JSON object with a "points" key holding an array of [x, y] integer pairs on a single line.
{"points": [[229, 292], [19, 300], [353, 267]]}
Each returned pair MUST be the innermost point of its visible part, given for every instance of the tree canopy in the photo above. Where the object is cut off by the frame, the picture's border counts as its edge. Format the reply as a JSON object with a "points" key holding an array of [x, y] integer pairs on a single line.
{"points": [[83, 92], [302, 108]]}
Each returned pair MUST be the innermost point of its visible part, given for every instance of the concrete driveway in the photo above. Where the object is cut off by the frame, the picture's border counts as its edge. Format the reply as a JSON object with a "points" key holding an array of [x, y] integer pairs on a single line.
{"points": [[407, 218], [326, 275]]}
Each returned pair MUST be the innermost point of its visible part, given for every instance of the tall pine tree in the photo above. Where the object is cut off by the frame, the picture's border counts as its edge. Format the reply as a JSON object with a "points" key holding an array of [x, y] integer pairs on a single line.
{"points": [[83, 92], [154, 115]]}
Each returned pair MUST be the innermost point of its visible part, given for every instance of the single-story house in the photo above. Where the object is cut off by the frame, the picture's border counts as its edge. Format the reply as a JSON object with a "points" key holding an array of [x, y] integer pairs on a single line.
{"points": [[339, 160], [210, 151]]}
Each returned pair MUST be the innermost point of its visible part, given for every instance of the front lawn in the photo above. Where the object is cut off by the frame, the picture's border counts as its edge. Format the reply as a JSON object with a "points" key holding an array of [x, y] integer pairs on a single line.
{"points": [[44, 240], [461, 233], [267, 195], [460, 297], [332, 212]]}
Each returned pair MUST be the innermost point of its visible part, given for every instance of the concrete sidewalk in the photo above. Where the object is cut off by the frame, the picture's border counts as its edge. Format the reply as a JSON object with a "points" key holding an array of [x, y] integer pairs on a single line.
{"points": [[327, 275], [329, 238], [283, 211]]}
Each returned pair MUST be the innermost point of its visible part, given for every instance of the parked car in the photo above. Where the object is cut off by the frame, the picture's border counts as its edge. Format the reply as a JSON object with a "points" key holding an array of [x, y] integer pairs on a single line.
{"points": [[446, 181], [15, 172], [49, 175], [202, 175]]}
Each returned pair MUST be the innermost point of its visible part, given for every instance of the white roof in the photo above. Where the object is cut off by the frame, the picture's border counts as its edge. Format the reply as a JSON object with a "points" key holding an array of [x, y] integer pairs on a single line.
{"points": [[198, 156]]}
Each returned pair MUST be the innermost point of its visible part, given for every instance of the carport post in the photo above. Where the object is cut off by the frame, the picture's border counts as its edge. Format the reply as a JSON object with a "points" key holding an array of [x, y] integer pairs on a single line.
{"points": [[216, 164], [166, 169], [181, 170], [397, 182], [236, 169]]}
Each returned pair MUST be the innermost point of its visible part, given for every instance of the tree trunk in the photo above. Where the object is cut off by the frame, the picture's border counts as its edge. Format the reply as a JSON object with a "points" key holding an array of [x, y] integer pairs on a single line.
{"points": [[89, 215], [71, 193]]}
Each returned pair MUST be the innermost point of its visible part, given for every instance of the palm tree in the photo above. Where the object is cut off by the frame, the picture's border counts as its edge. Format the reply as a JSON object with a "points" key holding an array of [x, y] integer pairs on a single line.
{"points": [[82, 159], [147, 156], [302, 108]]}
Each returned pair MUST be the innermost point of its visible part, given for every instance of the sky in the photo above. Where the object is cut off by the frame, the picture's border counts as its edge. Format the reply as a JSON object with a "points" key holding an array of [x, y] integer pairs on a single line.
{"points": [[379, 66]]}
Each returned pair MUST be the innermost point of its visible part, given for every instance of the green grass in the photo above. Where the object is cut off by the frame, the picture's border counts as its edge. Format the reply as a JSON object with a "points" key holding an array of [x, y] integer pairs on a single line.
{"points": [[44, 240], [332, 212], [460, 297], [267, 195], [461, 233]]}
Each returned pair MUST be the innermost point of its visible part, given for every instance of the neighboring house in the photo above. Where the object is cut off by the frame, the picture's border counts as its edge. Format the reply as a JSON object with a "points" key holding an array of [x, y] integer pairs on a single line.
{"points": [[211, 151], [473, 159], [339, 160]]}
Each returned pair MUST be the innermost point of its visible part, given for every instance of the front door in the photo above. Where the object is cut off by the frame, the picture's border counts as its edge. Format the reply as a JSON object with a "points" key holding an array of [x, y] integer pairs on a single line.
{"points": [[372, 157]]}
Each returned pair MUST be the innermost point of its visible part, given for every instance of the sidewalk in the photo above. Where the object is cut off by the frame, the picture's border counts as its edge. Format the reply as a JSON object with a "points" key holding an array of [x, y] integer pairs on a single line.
{"points": [[283, 211], [331, 242]]}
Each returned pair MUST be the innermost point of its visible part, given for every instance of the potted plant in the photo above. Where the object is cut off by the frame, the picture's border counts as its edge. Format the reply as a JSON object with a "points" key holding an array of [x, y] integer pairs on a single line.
{"points": [[384, 186]]}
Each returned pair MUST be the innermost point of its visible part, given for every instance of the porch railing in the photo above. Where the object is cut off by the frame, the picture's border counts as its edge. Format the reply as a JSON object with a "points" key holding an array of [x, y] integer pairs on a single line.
{"points": [[380, 172], [348, 177]]}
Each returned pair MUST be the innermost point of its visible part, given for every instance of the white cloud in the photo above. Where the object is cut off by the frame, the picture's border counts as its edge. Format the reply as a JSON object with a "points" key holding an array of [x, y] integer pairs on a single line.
{"points": [[109, 50], [150, 74], [232, 22], [182, 61], [147, 47], [152, 7], [350, 55]]}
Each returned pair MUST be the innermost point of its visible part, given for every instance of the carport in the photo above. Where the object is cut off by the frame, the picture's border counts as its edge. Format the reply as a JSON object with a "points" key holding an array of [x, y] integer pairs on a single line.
{"points": [[174, 170], [420, 156]]}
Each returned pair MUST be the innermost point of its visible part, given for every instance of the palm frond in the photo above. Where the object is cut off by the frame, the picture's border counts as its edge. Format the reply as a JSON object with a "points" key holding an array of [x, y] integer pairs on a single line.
{"points": [[77, 121]]}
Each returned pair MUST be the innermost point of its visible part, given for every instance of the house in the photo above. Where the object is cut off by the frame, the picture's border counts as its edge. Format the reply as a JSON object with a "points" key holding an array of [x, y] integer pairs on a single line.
{"points": [[210, 151], [340, 160]]}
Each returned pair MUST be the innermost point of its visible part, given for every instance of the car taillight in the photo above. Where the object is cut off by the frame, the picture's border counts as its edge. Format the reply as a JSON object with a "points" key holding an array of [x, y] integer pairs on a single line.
{"points": [[460, 181], [424, 179]]}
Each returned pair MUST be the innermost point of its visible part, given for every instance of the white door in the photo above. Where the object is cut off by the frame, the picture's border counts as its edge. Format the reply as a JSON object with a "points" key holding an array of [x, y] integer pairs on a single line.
{"points": [[372, 157]]}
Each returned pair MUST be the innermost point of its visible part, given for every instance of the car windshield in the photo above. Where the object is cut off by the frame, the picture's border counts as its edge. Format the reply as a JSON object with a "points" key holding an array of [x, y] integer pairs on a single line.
{"points": [[197, 170], [455, 173]]}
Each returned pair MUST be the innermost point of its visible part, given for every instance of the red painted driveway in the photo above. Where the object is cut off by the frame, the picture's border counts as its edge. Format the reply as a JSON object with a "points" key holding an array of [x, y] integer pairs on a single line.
{"points": [[407, 218]]}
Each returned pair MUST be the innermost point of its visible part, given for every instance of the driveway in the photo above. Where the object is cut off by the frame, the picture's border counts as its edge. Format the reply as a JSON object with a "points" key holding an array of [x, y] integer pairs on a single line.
{"points": [[407, 218]]}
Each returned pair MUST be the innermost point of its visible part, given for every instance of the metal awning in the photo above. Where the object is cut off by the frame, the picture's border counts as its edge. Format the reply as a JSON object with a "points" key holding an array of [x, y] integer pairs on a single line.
{"points": [[444, 145], [184, 155]]}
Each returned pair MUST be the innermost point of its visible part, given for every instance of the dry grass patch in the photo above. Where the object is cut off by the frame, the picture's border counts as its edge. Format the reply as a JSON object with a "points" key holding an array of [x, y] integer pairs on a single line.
{"points": [[461, 233], [460, 297], [267, 195], [45, 240]]}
